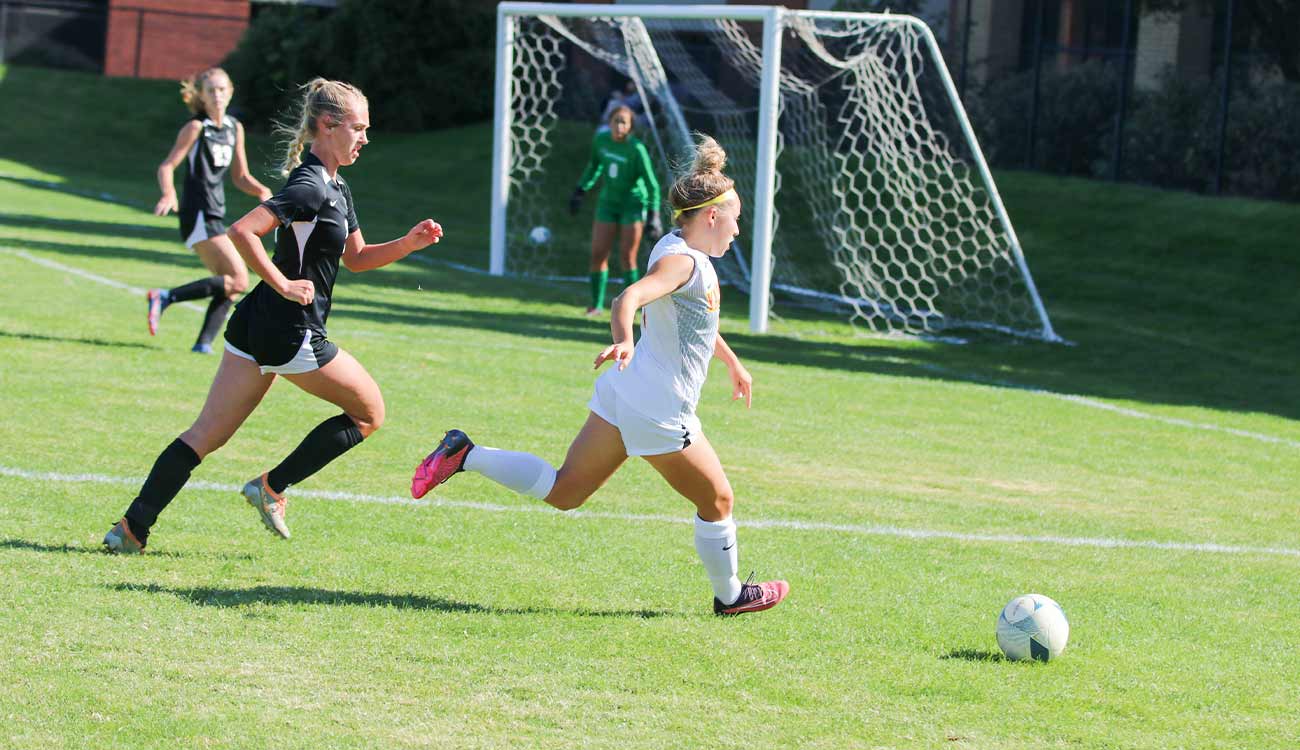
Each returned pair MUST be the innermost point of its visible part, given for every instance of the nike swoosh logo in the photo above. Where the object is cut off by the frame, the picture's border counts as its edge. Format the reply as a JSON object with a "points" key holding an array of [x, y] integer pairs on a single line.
{"points": [[724, 549], [332, 203]]}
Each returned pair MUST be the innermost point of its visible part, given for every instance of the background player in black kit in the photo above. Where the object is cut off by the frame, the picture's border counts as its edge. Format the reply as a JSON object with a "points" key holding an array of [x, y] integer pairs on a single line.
{"points": [[279, 327], [210, 144]]}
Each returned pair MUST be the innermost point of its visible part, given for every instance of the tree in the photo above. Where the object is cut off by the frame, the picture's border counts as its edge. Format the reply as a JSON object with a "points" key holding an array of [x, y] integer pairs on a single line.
{"points": [[1274, 25]]}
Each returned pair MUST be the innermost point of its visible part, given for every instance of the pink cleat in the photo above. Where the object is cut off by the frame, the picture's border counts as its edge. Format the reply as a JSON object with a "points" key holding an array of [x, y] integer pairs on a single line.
{"points": [[754, 597], [447, 459], [157, 301]]}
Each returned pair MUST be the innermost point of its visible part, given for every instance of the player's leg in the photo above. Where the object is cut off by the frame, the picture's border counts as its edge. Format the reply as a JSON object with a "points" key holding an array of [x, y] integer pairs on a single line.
{"points": [[341, 381], [236, 390], [222, 259], [697, 474], [603, 234], [195, 230], [629, 241], [593, 457]]}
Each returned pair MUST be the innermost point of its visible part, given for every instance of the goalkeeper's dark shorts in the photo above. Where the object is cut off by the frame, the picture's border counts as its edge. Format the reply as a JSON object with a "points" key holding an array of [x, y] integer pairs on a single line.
{"points": [[629, 210]]}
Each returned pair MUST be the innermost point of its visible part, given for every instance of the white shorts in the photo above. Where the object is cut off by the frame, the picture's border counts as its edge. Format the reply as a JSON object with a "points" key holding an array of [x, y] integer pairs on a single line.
{"points": [[642, 436]]}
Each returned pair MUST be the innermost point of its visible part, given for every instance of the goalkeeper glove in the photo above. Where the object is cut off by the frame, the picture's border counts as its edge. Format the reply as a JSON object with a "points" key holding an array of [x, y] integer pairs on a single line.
{"points": [[653, 224], [575, 201]]}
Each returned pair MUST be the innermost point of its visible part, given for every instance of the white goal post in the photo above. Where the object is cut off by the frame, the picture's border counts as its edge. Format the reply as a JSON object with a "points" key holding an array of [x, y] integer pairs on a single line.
{"points": [[858, 168]]}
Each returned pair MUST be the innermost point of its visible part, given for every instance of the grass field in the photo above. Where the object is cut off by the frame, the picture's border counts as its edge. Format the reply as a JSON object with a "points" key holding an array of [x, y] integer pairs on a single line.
{"points": [[1144, 477]]}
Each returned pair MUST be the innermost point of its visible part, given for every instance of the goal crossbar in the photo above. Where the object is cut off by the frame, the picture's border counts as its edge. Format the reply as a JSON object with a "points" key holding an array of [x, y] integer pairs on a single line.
{"points": [[773, 20]]}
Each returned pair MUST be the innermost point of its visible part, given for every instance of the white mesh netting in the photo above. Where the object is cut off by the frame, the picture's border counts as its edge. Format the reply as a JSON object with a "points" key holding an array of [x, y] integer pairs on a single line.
{"points": [[880, 209]]}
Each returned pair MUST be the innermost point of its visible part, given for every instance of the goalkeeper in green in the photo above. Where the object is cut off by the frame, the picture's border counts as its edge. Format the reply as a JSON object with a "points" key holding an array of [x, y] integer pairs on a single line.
{"points": [[628, 202]]}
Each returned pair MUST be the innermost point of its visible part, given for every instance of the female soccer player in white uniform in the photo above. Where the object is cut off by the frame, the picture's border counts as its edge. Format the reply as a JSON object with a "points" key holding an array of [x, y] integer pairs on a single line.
{"points": [[645, 404], [210, 144], [279, 328]]}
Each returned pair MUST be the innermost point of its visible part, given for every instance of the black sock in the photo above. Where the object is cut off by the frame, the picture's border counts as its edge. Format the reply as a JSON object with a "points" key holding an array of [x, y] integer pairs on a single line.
{"points": [[216, 315], [213, 286], [169, 474], [329, 440]]}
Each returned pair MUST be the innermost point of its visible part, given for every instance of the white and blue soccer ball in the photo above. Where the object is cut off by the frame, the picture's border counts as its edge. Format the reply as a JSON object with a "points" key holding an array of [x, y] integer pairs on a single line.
{"points": [[1032, 627], [539, 235]]}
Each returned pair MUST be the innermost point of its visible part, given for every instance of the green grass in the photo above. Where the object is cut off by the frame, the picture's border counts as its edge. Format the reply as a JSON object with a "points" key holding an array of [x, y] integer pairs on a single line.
{"points": [[485, 621]]}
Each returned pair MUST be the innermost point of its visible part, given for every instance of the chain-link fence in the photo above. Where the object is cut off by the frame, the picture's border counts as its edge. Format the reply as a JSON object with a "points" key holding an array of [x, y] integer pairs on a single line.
{"points": [[1200, 95]]}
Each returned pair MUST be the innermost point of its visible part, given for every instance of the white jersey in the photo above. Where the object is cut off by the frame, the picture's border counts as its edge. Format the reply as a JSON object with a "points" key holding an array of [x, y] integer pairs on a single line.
{"points": [[678, 331]]}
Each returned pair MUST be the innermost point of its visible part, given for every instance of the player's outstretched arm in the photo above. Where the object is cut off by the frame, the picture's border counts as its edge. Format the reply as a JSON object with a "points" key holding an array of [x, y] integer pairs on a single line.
{"points": [[184, 140], [240, 175], [742, 384], [665, 276], [358, 256]]}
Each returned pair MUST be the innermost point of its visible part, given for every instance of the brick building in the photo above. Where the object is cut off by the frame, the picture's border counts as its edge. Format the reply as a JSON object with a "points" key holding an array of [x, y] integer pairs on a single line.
{"points": [[1003, 36], [171, 38]]}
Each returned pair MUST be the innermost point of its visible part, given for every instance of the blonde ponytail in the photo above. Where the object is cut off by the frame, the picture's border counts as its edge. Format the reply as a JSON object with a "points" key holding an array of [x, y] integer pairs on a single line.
{"points": [[320, 98]]}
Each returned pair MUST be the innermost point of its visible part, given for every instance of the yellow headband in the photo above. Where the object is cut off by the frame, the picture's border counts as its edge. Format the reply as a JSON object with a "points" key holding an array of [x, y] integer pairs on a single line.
{"points": [[731, 193]]}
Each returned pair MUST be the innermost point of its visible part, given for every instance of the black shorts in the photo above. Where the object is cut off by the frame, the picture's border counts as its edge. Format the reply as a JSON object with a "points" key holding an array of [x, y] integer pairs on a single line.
{"points": [[277, 349], [198, 226]]}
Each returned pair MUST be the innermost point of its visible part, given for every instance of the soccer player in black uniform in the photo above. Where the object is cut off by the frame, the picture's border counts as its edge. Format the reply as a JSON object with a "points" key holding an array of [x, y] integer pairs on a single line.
{"points": [[279, 327], [210, 144]]}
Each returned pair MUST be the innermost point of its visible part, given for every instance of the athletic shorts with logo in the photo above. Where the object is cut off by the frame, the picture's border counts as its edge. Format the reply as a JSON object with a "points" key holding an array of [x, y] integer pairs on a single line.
{"points": [[198, 226], [642, 435], [277, 349]]}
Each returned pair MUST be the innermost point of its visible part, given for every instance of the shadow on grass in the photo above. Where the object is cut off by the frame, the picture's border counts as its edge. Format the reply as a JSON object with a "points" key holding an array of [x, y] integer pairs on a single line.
{"points": [[66, 188], [1143, 333], [1105, 364], [81, 226], [29, 546], [108, 251], [975, 654], [206, 596], [73, 340], [1154, 373]]}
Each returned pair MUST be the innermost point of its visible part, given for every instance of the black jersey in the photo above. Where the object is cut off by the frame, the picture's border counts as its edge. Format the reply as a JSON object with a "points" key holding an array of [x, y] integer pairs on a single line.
{"points": [[316, 216], [206, 166]]}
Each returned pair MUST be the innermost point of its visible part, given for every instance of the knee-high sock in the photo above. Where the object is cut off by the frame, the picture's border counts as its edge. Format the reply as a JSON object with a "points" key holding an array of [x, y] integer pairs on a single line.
{"points": [[213, 319], [598, 280], [630, 277], [326, 442], [521, 472], [170, 472], [213, 286], [715, 543]]}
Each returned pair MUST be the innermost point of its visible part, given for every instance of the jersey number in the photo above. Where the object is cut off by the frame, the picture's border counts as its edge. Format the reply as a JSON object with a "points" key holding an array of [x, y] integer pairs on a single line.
{"points": [[221, 154], [613, 170]]}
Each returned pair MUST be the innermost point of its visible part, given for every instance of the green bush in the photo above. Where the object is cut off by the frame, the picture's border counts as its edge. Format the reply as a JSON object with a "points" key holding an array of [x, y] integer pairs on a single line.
{"points": [[422, 63], [1170, 136], [1076, 116], [1167, 133], [1262, 151]]}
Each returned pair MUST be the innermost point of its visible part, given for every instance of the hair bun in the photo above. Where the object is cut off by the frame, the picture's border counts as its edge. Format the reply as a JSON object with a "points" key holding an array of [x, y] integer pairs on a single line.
{"points": [[709, 156]]}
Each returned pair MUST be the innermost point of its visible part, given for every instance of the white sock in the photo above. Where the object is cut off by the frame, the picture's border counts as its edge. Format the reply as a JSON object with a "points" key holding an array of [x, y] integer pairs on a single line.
{"points": [[521, 472], [715, 542]]}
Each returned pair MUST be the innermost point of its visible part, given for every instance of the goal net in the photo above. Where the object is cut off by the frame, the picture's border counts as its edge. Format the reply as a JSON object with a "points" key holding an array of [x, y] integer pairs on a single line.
{"points": [[856, 165]]}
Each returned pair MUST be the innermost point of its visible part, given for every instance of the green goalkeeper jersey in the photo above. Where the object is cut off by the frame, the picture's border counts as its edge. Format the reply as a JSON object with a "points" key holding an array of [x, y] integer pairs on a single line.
{"points": [[626, 169]]}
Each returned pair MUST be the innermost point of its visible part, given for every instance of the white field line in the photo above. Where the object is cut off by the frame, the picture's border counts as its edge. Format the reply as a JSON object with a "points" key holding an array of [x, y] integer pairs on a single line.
{"points": [[777, 524], [1093, 403], [1080, 400], [87, 275]]}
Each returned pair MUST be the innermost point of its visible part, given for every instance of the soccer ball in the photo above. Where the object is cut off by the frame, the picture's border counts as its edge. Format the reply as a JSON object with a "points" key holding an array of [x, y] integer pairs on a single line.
{"points": [[539, 235], [1032, 627]]}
